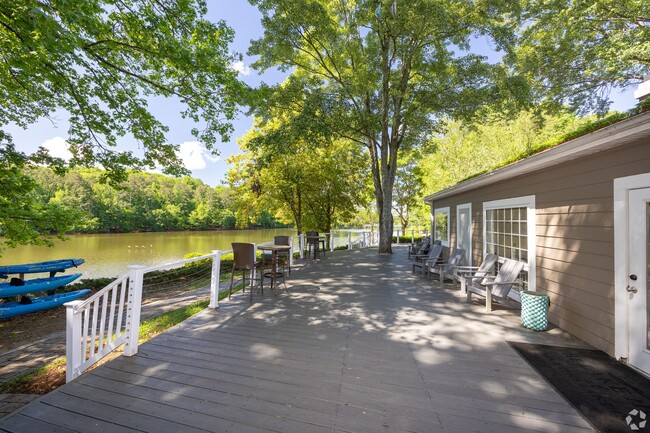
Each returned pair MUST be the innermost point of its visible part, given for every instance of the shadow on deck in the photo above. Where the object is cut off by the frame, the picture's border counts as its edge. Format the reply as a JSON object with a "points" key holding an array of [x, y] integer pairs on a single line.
{"points": [[359, 344]]}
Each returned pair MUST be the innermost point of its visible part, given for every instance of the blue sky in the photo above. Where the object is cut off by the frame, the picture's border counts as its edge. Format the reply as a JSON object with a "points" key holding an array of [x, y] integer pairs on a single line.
{"points": [[245, 20]]}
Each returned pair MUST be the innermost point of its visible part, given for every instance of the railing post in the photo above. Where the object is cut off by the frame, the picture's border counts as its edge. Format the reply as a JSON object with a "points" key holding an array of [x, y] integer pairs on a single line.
{"points": [[215, 278], [290, 251], [73, 355], [301, 241], [331, 241], [349, 240], [412, 236], [133, 310]]}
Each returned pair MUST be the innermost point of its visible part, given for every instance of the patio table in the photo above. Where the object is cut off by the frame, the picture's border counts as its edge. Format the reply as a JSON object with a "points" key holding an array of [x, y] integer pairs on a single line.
{"points": [[274, 274]]}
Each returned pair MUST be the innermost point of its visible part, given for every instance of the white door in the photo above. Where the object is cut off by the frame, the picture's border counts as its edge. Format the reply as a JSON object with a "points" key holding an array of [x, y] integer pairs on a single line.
{"points": [[464, 231], [638, 279]]}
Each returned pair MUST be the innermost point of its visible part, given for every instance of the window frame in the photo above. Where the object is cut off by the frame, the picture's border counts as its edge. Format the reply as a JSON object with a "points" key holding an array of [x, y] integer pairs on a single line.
{"points": [[441, 210], [459, 208], [528, 202]]}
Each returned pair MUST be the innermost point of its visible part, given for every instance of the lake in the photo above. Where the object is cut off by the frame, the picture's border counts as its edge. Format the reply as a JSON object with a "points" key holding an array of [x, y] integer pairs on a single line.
{"points": [[108, 255]]}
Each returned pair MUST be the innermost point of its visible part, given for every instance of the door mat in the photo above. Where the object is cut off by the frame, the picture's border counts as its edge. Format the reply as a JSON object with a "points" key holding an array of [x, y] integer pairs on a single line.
{"points": [[610, 395]]}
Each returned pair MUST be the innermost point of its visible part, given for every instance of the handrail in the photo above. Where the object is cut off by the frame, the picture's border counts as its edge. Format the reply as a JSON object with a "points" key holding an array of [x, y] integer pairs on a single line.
{"points": [[83, 350], [364, 238], [397, 232], [111, 317]]}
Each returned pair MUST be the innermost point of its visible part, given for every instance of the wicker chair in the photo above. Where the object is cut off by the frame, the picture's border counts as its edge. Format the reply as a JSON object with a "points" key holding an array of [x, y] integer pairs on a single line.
{"points": [[313, 243], [244, 260], [284, 258]]}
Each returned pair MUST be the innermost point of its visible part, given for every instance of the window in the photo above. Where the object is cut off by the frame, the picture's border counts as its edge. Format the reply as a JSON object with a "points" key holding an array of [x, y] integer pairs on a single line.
{"points": [[441, 225], [464, 230], [509, 232]]}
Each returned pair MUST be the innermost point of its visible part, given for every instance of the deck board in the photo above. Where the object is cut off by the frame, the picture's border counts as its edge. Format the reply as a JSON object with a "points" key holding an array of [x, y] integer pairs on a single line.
{"points": [[359, 344]]}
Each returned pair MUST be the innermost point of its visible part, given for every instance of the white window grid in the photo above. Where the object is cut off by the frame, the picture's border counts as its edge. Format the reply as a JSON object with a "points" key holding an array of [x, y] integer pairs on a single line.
{"points": [[508, 227], [507, 233]]}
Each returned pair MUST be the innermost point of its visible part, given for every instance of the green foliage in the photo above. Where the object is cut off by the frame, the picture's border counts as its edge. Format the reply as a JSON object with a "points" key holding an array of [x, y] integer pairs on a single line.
{"points": [[99, 63], [468, 149], [22, 383], [588, 126], [314, 184], [93, 284], [408, 188], [144, 202], [407, 239], [576, 52], [383, 73], [582, 127], [156, 325], [24, 219]]}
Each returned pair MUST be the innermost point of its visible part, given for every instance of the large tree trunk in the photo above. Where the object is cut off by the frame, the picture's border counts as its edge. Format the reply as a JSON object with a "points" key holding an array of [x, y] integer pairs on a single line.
{"points": [[385, 226], [383, 196]]}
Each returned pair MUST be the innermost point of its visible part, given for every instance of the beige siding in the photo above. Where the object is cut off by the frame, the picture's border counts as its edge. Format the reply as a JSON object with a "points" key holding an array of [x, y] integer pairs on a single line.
{"points": [[574, 235]]}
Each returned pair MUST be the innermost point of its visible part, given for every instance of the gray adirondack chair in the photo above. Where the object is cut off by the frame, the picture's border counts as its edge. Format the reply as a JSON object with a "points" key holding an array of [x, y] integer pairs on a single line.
{"points": [[476, 273], [429, 259], [448, 268], [497, 287], [421, 247]]}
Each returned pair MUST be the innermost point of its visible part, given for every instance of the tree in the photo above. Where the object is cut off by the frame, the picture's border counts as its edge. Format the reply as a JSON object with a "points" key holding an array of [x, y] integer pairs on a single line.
{"points": [[24, 219], [386, 70], [466, 149], [313, 183], [408, 188], [578, 51], [99, 61]]}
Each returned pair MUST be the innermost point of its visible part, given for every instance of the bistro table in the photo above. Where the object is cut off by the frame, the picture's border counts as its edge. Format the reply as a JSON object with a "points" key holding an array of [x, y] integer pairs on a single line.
{"points": [[274, 274]]}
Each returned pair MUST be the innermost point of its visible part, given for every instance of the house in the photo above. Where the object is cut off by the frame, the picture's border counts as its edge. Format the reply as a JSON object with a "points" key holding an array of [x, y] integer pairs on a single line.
{"points": [[578, 214]]}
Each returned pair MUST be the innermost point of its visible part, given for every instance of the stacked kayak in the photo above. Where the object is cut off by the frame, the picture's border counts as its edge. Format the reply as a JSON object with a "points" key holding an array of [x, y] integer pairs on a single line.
{"points": [[11, 309], [19, 286], [53, 266]]}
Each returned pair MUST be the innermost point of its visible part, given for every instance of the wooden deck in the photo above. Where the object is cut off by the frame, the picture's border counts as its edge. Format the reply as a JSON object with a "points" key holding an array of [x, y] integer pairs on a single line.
{"points": [[359, 344]]}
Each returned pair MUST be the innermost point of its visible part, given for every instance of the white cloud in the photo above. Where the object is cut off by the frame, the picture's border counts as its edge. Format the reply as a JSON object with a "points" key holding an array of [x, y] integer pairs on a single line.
{"points": [[58, 148], [195, 156], [240, 67]]}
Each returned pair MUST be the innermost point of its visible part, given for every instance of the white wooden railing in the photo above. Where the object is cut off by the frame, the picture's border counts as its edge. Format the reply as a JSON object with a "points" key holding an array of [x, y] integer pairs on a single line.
{"points": [[111, 317], [353, 238], [413, 232]]}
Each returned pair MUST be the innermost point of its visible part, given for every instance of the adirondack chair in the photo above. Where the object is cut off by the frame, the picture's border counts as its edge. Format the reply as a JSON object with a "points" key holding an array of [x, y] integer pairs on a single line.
{"points": [[418, 246], [433, 257], [497, 287], [420, 250], [448, 268], [476, 273]]}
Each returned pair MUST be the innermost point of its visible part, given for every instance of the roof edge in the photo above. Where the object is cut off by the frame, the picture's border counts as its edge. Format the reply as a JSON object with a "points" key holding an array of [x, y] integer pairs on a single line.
{"points": [[606, 138]]}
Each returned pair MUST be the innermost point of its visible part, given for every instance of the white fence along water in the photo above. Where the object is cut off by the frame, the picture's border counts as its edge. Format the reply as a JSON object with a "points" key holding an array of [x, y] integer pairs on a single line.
{"points": [[111, 317]]}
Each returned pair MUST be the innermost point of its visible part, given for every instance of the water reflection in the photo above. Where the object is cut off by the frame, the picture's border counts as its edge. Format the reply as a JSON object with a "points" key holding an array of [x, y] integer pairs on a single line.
{"points": [[108, 255]]}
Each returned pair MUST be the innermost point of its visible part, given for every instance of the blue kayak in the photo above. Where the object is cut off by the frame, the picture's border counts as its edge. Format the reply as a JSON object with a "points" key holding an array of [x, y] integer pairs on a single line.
{"points": [[19, 287], [33, 268], [12, 309]]}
